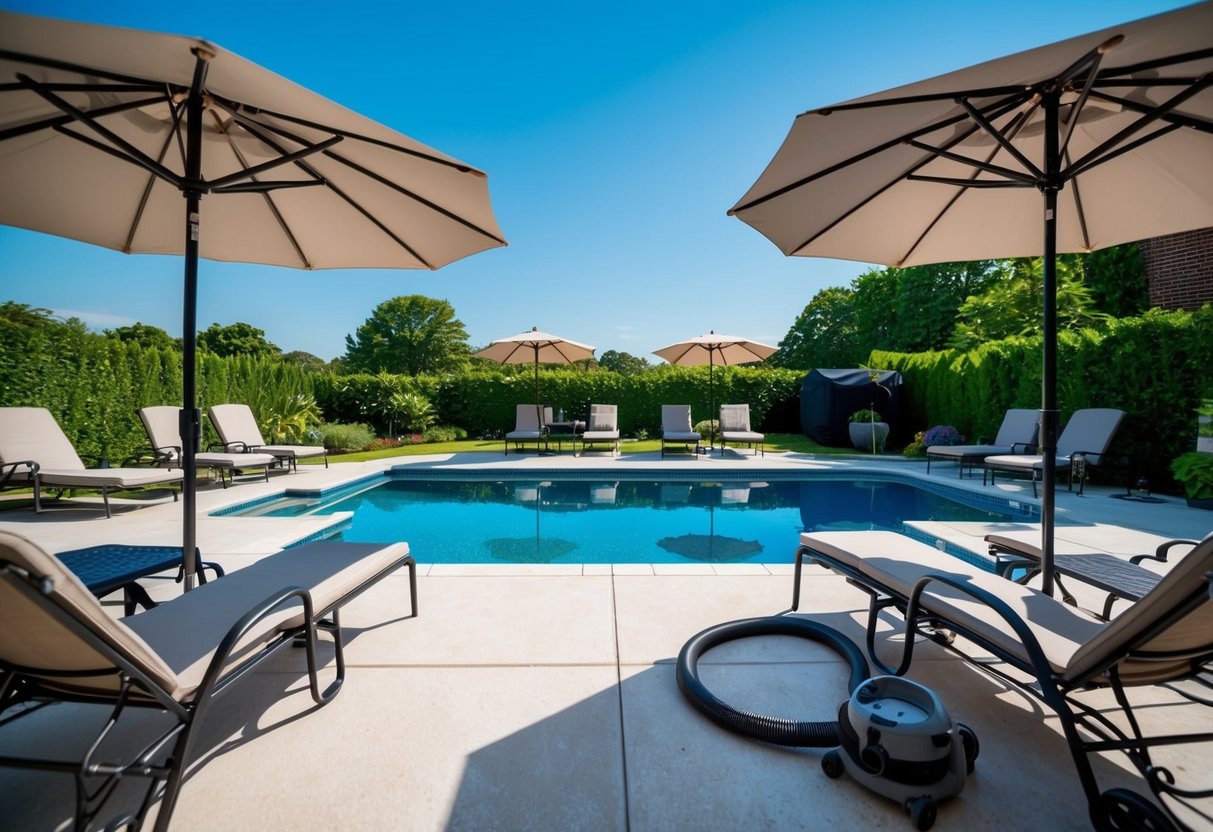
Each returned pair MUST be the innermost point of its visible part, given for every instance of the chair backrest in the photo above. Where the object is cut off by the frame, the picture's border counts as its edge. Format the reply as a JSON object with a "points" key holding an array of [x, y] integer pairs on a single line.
{"points": [[548, 418], [163, 426], [1090, 430], [1165, 635], [235, 423], [32, 636], [32, 433], [735, 417], [1019, 427], [676, 418], [527, 417], [604, 417]]}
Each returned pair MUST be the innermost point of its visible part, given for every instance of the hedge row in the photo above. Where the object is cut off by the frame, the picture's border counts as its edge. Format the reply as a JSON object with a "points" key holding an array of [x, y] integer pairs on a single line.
{"points": [[484, 403], [1155, 368]]}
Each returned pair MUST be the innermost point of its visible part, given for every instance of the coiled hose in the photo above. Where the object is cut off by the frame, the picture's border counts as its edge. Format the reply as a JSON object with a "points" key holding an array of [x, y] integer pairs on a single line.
{"points": [[757, 726]]}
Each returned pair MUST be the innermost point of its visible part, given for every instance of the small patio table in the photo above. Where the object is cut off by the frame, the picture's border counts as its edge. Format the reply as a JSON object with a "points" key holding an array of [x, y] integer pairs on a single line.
{"points": [[565, 430], [1113, 575], [103, 569]]}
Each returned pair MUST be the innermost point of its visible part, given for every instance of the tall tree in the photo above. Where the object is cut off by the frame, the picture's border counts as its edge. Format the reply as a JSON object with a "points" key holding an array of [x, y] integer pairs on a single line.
{"points": [[824, 335], [236, 339], [623, 363], [1117, 278], [305, 360], [144, 335], [411, 334]]}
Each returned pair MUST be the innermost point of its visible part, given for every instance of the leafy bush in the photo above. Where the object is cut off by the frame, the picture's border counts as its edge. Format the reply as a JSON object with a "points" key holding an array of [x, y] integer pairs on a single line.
{"points": [[338, 437], [414, 412], [866, 416], [942, 435], [444, 433], [1194, 471], [707, 427]]}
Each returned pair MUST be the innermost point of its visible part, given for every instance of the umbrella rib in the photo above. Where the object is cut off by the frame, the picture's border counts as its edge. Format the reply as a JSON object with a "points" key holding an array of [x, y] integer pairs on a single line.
{"points": [[51, 123], [1181, 119], [146, 195], [1082, 214], [250, 172], [52, 63], [1076, 108], [122, 148], [984, 167], [1074, 172], [997, 135], [257, 129], [999, 108], [459, 166], [377, 177], [1092, 156]]}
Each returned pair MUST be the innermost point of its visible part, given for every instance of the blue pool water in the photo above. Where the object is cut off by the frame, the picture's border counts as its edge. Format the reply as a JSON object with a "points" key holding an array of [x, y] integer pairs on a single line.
{"points": [[582, 521]]}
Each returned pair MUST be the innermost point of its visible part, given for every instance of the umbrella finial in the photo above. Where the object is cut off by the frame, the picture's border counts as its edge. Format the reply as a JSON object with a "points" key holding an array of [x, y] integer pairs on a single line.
{"points": [[534, 329]]}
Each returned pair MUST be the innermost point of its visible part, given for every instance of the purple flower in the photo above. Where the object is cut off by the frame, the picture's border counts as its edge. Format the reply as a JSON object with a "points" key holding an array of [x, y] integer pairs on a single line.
{"points": [[942, 435]]}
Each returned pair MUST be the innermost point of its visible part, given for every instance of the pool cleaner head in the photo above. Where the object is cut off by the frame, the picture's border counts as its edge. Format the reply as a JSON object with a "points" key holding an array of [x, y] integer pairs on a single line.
{"points": [[898, 740]]}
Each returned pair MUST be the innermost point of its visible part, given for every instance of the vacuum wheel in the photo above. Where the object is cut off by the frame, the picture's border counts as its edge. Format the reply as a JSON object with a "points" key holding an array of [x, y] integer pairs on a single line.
{"points": [[832, 765], [922, 813], [972, 747], [1124, 810]]}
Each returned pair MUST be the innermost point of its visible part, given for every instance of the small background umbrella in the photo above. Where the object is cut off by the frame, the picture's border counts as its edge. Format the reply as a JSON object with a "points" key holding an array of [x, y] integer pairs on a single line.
{"points": [[1101, 139], [711, 547], [119, 138], [536, 348], [713, 349], [530, 549]]}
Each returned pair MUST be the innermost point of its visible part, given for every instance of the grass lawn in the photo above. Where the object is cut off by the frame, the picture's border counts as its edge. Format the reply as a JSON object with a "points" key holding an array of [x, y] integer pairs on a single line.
{"points": [[776, 442]]}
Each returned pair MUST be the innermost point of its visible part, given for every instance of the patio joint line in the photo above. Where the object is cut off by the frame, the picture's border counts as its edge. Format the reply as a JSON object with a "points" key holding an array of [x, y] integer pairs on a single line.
{"points": [[623, 740]]}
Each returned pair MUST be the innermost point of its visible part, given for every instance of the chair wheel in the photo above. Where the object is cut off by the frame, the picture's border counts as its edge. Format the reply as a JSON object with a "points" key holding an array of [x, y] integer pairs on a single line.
{"points": [[922, 813], [1124, 810], [832, 765]]}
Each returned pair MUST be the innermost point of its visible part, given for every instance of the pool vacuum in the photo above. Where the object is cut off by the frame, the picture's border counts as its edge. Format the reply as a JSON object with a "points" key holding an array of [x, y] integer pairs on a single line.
{"points": [[893, 736]]}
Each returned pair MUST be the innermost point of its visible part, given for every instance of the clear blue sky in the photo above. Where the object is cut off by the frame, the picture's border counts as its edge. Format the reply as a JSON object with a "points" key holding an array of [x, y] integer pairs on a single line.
{"points": [[615, 135]]}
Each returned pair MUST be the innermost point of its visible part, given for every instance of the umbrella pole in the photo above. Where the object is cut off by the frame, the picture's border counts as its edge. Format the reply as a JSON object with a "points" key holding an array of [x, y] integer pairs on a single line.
{"points": [[711, 400], [190, 420], [1048, 376]]}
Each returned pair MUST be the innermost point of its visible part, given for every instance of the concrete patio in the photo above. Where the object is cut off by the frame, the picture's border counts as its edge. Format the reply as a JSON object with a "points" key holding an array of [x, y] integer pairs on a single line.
{"points": [[544, 697]]}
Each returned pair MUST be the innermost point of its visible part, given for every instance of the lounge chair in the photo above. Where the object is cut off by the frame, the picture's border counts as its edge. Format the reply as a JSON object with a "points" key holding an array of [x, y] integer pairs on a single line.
{"points": [[529, 426], [676, 427], [34, 451], [1017, 435], [57, 644], [164, 434], [603, 426], [735, 427], [1083, 443], [239, 433], [1045, 648]]}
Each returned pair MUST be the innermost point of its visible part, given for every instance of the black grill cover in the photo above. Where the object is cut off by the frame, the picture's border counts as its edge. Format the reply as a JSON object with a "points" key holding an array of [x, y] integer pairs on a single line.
{"points": [[829, 397]]}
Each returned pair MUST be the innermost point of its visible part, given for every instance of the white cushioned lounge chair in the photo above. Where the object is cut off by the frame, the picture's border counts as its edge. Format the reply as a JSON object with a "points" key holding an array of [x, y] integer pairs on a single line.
{"points": [[57, 644], [1083, 443], [530, 422], [735, 427], [34, 451], [1047, 649], [164, 434], [602, 427], [1016, 435], [239, 433], [676, 427]]}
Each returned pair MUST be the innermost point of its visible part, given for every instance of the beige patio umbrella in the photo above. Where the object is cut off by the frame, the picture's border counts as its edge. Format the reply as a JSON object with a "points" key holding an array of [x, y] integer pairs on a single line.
{"points": [[713, 349], [103, 131], [535, 347], [1093, 141]]}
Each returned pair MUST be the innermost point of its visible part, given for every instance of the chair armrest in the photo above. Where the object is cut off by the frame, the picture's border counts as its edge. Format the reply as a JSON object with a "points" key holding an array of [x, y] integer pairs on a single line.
{"points": [[1027, 448], [8, 470], [237, 447], [1161, 553]]}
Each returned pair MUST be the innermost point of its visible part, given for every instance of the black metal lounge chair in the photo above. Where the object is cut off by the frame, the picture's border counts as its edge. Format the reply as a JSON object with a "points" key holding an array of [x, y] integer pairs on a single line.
{"points": [[57, 644], [163, 432], [1082, 444], [1016, 435], [735, 427], [239, 433], [1047, 648]]}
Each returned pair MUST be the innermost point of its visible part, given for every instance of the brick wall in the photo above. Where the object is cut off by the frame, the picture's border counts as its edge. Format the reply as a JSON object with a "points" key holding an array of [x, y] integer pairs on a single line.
{"points": [[1179, 268]]}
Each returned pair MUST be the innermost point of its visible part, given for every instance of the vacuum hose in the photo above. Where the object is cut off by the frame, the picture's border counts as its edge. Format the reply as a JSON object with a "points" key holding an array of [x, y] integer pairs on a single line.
{"points": [[756, 726]]}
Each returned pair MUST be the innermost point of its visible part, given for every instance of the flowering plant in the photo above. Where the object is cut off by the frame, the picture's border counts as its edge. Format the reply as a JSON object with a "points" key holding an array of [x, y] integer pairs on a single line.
{"points": [[942, 435]]}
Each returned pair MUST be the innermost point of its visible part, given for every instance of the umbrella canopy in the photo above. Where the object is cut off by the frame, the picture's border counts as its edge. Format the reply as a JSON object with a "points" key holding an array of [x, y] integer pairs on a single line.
{"points": [[536, 348], [103, 131], [1089, 142], [713, 349]]}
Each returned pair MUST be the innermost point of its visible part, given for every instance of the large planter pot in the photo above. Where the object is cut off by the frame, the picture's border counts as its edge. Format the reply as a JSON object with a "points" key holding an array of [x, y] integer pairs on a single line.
{"points": [[861, 435]]}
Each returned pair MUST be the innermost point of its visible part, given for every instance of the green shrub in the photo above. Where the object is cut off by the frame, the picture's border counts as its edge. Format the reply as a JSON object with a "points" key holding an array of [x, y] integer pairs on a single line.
{"points": [[866, 416], [444, 433], [338, 437], [1194, 471], [706, 427], [413, 411]]}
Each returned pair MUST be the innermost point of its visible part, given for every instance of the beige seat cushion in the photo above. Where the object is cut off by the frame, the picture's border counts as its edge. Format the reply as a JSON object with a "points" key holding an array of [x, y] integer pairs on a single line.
{"points": [[109, 477]]}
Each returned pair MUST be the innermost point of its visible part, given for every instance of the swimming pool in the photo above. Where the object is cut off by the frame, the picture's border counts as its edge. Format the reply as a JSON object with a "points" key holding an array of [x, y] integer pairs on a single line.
{"points": [[488, 519]]}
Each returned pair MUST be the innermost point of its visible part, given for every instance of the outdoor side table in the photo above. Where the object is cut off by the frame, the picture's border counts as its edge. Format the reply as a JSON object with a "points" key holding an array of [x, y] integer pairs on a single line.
{"points": [[565, 430], [1113, 575], [104, 569]]}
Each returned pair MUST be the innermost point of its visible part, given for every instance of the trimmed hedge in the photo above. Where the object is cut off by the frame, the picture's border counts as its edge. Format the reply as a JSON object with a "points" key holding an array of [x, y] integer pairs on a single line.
{"points": [[483, 403], [1154, 367]]}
